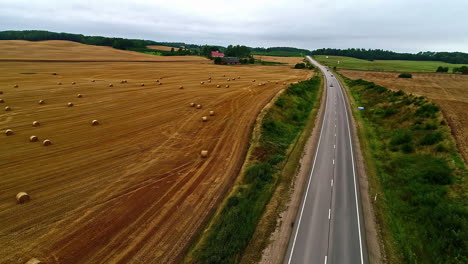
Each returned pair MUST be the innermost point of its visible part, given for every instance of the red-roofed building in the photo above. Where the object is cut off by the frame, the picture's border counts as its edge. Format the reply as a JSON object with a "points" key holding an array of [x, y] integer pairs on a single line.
{"points": [[216, 54]]}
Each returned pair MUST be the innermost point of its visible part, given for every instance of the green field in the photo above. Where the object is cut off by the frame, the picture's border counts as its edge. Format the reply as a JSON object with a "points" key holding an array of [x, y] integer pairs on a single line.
{"points": [[383, 65]]}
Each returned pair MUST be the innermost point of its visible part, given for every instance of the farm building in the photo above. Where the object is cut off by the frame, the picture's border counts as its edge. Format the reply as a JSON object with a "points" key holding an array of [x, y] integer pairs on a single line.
{"points": [[216, 54], [230, 60]]}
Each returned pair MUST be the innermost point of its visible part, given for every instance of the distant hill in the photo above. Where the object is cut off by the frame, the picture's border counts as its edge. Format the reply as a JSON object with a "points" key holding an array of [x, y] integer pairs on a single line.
{"points": [[378, 54]]}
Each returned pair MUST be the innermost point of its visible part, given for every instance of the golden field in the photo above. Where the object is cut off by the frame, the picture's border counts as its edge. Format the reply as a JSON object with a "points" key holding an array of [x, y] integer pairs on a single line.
{"points": [[134, 188]]}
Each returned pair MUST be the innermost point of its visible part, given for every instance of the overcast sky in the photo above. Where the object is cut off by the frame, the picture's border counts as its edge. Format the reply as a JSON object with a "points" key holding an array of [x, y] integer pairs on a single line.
{"points": [[399, 25]]}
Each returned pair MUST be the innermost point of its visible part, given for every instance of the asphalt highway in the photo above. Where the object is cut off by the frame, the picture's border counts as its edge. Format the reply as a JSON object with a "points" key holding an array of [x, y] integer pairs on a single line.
{"points": [[329, 226]]}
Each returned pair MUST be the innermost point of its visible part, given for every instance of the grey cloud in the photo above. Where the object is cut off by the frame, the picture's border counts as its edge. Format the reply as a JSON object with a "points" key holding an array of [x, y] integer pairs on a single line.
{"points": [[399, 25]]}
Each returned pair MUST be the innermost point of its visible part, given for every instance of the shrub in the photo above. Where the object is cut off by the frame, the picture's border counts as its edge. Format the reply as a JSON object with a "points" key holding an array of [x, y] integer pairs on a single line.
{"points": [[431, 138], [442, 69], [427, 110], [217, 60], [300, 66], [405, 75], [401, 136], [407, 148]]}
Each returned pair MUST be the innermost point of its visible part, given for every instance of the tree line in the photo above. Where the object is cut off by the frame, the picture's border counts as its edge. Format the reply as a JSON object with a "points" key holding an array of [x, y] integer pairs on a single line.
{"points": [[379, 54]]}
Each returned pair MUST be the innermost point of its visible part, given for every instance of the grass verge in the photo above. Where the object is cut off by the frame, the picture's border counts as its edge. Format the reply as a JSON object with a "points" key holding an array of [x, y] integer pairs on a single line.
{"points": [[413, 166], [234, 224]]}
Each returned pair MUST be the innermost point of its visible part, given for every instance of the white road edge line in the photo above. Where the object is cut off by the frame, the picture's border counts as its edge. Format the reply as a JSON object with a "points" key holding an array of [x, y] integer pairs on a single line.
{"points": [[332, 183], [329, 214], [308, 184], [354, 173], [325, 260]]}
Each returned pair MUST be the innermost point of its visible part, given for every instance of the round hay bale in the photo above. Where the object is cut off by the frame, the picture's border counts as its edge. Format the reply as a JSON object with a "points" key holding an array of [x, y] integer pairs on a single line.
{"points": [[224, 75], [34, 261], [202, 82], [157, 80], [7, 108], [284, 83], [79, 95], [238, 77], [36, 123], [111, 85], [204, 118], [160, 83], [59, 83], [199, 106], [209, 81], [228, 79], [73, 83], [15, 86], [233, 79], [33, 138], [8, 132], [41, 102], [46, 142], [70, 104], [181, 87], [212, 113], [192, 104], [125, 81], [276, 82], [93, 80], [1, 92], [227, 85], [2, 101], [122, 82], [218, 86], [253, 80], [204, 153], [22, 197], [209, 78], [94, 122], [54, 73], [142, 84]]}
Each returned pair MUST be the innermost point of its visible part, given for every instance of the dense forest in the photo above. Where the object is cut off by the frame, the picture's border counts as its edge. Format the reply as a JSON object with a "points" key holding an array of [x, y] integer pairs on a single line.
{"points": [[378, 54]]}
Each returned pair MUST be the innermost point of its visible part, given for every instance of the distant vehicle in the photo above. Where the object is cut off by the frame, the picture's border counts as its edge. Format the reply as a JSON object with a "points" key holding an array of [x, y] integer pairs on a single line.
{"points": [[332, 75], [331, 84]]}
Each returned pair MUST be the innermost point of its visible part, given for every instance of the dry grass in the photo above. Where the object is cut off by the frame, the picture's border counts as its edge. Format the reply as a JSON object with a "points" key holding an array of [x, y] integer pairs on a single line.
{"points": [[448, 91], [134, 188], [288, 60], [60, 50], [165, 48]]}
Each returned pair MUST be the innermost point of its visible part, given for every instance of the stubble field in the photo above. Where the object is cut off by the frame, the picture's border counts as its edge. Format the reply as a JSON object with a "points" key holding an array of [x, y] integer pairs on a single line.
{"points": [[134, 188]]}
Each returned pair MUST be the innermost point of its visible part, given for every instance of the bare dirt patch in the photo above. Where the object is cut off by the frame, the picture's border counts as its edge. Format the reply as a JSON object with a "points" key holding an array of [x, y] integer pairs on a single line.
{"points": [[448, 91], [132, 189]]}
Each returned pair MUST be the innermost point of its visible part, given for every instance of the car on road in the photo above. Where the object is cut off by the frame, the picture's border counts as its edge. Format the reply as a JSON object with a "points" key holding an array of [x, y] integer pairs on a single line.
{"points": [[331, 84]]}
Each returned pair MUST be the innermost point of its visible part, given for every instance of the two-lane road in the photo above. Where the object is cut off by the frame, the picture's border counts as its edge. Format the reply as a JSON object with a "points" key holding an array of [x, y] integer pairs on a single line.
{"points": [[329, 227]]}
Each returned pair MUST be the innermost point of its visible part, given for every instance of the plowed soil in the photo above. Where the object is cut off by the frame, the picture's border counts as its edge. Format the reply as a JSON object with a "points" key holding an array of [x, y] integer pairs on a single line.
{"points": [[134, 188], [448, 91]]}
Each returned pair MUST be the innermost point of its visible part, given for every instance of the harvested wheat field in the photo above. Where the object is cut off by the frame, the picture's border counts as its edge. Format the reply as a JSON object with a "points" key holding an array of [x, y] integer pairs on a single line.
{"points": [[131, 187], [288, 60], [448, 91], [158, 47]]}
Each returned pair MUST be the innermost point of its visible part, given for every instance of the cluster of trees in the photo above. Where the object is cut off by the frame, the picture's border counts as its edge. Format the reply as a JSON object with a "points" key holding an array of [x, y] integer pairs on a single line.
{"points": [[281, 51], [237, 51], [379, 54], [462, 70], [442, 69], [405, 75], [37, 35]]}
